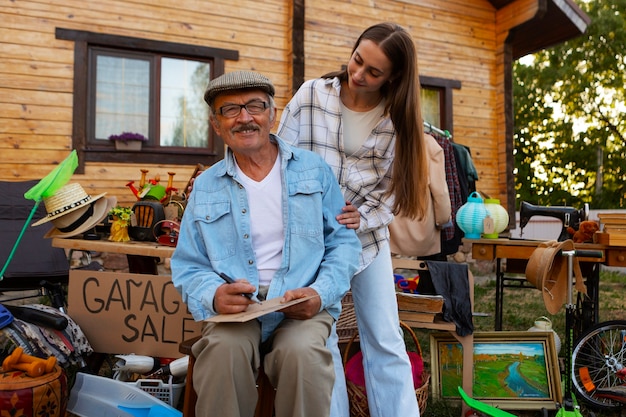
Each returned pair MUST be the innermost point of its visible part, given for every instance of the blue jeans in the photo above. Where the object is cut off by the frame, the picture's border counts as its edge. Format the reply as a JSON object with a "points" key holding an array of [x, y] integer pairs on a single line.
{"points": [[388, 376]]}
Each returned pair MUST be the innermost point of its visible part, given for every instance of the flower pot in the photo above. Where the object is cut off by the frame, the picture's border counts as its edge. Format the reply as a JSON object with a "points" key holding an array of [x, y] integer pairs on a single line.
{"points": [[128, 145], [119, 231]]}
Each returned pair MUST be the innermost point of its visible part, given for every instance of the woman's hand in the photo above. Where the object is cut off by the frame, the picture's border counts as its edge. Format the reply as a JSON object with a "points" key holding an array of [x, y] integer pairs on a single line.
{"points": [[350, 216], [189, 187]]}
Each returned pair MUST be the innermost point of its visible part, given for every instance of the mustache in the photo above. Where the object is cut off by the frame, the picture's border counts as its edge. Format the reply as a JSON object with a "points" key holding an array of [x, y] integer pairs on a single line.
{"points": [[247, 126]]}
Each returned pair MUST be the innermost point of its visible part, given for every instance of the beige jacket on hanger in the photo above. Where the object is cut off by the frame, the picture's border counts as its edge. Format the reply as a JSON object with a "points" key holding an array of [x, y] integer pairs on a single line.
{"points": [[422, 238]]}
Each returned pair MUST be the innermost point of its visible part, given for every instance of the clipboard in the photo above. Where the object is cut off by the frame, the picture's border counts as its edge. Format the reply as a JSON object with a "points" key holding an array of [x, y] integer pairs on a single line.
{"points": [[257, 310]]}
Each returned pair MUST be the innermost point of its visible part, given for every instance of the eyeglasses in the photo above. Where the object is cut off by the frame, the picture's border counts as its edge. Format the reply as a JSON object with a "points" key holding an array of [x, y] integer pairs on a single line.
{"points": [[252, 107]]}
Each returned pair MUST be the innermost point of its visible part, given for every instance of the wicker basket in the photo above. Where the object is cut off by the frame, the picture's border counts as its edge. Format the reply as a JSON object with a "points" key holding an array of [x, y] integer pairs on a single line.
{"points": [[358, 397], [346, 325]]}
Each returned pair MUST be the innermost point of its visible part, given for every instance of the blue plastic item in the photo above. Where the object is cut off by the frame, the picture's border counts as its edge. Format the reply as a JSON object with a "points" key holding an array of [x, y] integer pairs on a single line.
{"points": [[152, 411], [97, 396], [6, 317]]}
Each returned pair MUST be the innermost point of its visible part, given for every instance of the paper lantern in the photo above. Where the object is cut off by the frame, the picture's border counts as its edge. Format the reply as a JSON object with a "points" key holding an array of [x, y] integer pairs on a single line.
{"points": [[499, 215], [471, 215]]}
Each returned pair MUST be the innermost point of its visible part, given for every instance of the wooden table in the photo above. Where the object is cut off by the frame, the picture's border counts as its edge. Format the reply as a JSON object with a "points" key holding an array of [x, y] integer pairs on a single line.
{"points": [[518, 251], [143, 257]]}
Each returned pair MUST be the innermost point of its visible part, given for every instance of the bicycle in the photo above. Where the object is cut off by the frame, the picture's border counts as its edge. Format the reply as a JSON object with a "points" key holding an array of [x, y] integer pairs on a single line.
{"points": [[598, 371], [594, 365]]}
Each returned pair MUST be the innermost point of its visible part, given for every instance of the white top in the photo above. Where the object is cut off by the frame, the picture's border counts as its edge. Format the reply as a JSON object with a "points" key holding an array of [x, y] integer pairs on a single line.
{"points": [[266, 221], [358, 126]]}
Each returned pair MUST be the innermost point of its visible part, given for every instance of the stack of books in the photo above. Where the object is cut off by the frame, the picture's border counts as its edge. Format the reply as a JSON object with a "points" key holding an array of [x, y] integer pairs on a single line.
{"points": [[419, 307], [613, 229]]}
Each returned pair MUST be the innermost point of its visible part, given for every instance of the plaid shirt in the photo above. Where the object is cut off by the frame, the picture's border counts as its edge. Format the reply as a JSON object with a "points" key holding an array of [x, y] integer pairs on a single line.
{"points": [[312, 120], [454, 187]]}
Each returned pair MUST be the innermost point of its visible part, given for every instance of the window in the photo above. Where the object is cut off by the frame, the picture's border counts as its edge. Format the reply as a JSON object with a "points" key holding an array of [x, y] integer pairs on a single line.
{"points": [[121, 98], [155, 88], [184, 113], [431, 105], [120, 101], [436, 97]]}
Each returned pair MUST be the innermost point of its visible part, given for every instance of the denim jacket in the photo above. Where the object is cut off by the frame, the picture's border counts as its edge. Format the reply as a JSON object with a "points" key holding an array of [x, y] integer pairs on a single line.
{"points": [[215, 236]]}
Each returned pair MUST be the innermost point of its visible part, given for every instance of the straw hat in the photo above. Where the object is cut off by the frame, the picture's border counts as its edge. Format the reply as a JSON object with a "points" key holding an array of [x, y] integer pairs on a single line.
{"points": [[547, 271], [72, 211]]}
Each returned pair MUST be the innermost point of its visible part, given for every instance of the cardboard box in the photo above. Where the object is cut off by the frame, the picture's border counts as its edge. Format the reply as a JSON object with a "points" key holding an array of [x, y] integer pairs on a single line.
{"points": [[130, 313]]}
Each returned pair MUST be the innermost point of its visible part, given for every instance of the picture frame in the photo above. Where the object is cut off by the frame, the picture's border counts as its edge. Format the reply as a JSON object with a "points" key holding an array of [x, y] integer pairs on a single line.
{"points": [[512, 370]]}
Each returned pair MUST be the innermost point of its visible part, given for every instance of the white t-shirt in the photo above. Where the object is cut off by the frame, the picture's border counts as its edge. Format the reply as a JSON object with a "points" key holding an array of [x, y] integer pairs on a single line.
{"points": [[266, 220], [357, 126]]}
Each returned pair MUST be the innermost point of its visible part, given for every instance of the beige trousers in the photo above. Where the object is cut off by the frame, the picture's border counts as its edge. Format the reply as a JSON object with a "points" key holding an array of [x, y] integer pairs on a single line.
{"points": [[295, 359]]}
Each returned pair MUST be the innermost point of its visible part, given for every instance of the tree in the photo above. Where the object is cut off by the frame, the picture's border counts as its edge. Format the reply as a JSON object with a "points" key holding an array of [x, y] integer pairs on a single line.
{"points": [[570, 123]]}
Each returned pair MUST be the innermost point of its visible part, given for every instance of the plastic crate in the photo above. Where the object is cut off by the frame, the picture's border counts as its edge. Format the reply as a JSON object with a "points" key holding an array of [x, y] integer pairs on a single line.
{"points": [[169, 392]]}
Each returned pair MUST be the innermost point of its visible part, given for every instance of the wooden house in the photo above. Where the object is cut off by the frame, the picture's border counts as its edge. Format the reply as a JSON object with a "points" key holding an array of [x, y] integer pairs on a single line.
{"points": [[75, 71]]}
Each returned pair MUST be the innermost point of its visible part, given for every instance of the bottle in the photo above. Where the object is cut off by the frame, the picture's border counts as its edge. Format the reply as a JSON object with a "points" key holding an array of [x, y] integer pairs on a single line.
{"points": [[544, 324]]}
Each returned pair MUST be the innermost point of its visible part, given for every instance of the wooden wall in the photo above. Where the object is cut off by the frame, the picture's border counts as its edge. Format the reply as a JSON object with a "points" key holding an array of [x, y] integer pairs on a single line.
{"points": [[456, 39], [36, 71]]}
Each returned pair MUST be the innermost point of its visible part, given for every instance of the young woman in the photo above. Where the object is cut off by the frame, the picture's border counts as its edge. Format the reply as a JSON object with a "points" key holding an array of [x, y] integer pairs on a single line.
{"points": [[366, 122]]}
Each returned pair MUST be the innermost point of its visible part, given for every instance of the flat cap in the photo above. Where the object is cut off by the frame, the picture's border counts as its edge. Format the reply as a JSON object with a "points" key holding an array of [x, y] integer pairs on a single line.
{"points": [[237, 80]]}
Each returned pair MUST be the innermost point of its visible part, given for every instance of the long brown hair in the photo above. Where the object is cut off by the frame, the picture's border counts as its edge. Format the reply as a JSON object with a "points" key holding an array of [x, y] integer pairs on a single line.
{"points": [[409, 176]]}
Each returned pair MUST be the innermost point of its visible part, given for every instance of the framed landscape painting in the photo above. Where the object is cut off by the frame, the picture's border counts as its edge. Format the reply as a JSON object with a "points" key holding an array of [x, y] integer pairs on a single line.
{"points": [[512, 370]]}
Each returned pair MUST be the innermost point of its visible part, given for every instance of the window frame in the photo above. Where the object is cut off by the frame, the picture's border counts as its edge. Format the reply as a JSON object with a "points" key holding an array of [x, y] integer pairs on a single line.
{"points": [[88, 152], [445, 87]]}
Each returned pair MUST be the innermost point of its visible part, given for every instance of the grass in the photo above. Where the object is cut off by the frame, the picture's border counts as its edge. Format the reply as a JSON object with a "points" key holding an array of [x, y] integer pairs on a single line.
{"points": [[521, 308]]}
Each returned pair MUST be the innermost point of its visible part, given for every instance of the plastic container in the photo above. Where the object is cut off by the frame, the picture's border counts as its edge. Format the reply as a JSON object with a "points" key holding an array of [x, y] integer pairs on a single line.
{"points": [[96, 396], [544, 324], [169, 392]]}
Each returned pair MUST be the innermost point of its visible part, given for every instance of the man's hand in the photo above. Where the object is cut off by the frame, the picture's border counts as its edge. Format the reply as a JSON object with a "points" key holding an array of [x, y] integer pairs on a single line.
{"points": [[229, 298], [304, 310], [350, 216]]}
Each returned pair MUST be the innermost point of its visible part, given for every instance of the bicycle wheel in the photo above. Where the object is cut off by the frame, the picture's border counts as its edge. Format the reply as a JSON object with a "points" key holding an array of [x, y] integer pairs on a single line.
{"points": [[597, 357]]}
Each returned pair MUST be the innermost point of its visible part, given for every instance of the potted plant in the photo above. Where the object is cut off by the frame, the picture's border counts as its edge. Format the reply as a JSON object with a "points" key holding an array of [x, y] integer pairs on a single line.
{"points": [[128, 141]]}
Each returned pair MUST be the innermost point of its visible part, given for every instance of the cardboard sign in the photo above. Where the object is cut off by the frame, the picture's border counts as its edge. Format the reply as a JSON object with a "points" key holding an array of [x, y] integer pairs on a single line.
{"points": [[130, 313], [257, 310]]}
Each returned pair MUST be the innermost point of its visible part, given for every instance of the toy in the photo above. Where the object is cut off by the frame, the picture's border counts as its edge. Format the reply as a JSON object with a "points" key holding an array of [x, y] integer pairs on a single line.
{"points": [[585, 231], [31, 365], [406, 285], [151, 189]]}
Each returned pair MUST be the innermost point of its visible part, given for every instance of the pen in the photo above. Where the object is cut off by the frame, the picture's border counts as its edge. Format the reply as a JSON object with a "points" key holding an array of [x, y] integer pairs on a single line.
{"points": [[229, 280]]}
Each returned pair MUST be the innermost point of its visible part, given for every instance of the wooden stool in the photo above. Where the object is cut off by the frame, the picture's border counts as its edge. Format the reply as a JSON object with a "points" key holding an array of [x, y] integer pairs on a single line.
{"points": [[264, 407], [346, 328]]}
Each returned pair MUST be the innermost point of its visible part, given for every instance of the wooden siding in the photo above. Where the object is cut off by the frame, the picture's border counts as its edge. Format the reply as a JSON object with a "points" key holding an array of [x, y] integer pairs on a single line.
{"points": [[456, 39], [36, 71]]}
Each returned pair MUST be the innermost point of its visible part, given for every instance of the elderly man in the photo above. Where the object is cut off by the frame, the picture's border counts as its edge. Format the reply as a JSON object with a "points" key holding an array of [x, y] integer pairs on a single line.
{"points": [[264, 215]]}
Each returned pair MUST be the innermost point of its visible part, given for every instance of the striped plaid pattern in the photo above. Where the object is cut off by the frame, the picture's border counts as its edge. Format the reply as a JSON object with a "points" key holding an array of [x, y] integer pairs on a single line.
{"points": [[312, 120]]}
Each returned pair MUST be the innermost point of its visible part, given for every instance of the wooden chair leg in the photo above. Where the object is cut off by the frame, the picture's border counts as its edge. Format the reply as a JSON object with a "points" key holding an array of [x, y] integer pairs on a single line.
{"points": [[190, 398], [265, 405]]}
